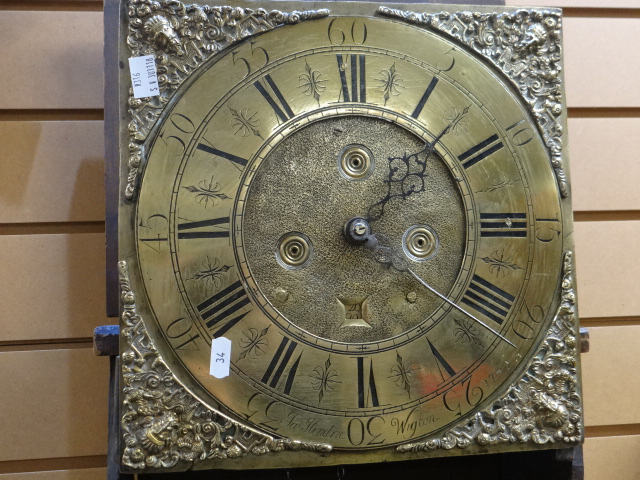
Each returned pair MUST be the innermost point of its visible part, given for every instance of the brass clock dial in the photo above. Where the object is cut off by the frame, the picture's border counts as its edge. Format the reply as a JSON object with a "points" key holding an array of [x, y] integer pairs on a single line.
{"points": [[368, 213]]}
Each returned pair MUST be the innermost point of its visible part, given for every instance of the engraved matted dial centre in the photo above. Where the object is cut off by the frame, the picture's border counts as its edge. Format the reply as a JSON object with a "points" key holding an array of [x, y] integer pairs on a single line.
{"points": [[342, 294]]}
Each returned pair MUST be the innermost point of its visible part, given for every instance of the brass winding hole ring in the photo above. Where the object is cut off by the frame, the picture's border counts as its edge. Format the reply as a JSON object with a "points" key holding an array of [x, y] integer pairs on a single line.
{"points": [[294, 250], [420, 242], [355, 162]]}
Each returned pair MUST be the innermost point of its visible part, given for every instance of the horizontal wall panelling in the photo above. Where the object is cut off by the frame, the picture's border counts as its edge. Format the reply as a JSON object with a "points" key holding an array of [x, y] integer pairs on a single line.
{"points": [[50, 69], [51, 172], [610, 376], [71, 68], [54, 172], [607, 266], [52, 286], [609, 458], [604, 163], [54, 404]]}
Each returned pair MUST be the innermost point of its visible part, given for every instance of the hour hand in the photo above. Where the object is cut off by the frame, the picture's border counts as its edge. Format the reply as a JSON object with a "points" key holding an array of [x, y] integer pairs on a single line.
{"points": [[407, 174]]}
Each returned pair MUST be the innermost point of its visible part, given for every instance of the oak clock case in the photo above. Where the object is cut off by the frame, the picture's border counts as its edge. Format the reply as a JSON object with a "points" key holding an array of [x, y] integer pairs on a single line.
{"points": [[372, 206]]}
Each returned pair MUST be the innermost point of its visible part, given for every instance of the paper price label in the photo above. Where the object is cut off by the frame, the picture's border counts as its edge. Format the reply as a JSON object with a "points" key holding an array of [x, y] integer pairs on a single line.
{"points": [[220, 357], [143, 76]]}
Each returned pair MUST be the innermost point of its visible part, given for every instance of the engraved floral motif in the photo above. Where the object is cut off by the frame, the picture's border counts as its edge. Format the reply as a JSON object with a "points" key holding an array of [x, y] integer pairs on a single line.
{"points": [[500, 264], [498, 185], [207, 193], [210, 272], [323, 379], [245, 122], [253, 342], [312, 82], [390, 83], [402, 374], [466, 331], [163, 425], [544, 406], [182, 37], [526, 46], [458, 119]]}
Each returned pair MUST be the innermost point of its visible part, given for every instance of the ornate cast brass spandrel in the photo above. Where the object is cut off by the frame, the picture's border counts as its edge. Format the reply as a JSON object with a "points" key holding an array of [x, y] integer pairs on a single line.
{"points": [[182, 37], [544, 406], [162, 423], [526, 46]]}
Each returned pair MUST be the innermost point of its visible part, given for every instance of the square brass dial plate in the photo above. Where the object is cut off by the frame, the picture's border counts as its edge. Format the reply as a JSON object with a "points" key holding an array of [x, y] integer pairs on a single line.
{"points": [[345, 235]]}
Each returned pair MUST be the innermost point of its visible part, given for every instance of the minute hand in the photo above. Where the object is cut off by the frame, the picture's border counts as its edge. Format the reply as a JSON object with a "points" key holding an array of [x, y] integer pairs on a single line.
{"points": [[388, 256], [456, 306], [430, 147]]}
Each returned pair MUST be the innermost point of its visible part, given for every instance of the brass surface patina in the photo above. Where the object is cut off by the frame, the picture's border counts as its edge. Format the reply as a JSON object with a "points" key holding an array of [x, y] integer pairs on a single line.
{"points": [[372, 206]]}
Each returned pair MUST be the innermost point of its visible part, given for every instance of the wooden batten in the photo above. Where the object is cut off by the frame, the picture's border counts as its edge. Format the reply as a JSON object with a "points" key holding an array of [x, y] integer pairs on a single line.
{"points": [[79, 474]]}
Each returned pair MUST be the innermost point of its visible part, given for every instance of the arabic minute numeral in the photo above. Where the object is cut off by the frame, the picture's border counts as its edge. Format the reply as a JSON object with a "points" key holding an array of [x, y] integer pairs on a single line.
{"points": [[520, 135], [155, 232], [257, 59], [451, 65], [473, 395], [530, 319], [180, 330], [356, 34], [359, 431], [184, 126], [549, 229]]}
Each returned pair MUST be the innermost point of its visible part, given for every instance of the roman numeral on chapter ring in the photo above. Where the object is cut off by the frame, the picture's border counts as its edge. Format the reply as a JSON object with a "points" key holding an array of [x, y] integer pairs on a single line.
{"points": [[425, 97], [486, 298], [278, 364], [223, 305], [226, 155], [480, 151], [366, 388], [441, 362], [358, 84], [503, 225], [217, 231], [283, 111]]}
